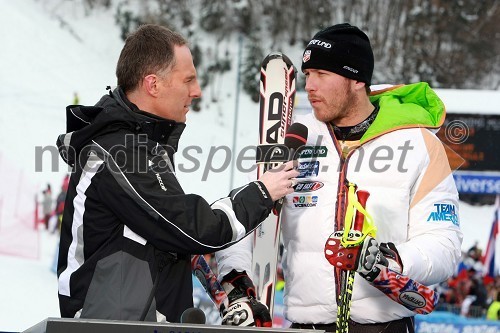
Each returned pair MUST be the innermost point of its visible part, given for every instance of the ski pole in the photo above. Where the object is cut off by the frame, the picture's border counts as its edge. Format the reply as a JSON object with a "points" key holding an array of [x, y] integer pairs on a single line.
{"points": [[349, 236]]}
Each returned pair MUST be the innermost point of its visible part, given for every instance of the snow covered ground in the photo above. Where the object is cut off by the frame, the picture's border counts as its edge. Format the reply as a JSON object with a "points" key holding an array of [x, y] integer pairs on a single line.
{"points": [[28, 287], [49, 51]]}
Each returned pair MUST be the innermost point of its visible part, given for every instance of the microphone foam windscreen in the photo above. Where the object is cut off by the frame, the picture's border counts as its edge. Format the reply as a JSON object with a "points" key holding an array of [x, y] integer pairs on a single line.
{"points": [[193, 316], [296, 136]]}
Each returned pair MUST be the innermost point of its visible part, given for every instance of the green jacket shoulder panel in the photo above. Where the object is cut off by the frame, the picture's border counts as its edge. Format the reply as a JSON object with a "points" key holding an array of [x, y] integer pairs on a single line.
{"points": [[406, 106]]}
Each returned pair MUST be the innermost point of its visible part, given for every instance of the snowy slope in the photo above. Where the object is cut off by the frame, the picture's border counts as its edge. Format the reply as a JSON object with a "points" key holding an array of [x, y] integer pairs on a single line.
{"points": [[42, 66], [43, 62]]}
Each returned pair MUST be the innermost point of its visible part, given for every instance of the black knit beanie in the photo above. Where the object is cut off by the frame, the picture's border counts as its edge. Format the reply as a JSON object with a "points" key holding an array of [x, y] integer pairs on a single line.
{"points": [[343, 49]]}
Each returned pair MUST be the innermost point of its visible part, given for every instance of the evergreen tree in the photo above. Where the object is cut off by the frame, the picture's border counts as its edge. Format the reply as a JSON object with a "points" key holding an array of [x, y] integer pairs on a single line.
{"points": [[250, 76]]}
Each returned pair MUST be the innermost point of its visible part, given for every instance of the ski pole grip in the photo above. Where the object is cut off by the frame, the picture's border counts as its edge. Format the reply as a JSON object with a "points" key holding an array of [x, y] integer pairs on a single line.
{"points": [[359, 219]]}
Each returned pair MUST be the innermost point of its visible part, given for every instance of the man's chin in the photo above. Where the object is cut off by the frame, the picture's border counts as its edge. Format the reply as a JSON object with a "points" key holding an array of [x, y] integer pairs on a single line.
{"points": [[320, 116]]}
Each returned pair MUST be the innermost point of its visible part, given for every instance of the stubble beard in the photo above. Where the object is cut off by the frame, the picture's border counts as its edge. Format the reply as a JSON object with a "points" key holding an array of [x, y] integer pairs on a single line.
{"points": [[339, 108]]}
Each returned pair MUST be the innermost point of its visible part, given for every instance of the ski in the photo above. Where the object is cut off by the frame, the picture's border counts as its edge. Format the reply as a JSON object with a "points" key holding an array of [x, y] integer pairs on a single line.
{"points": [[277, 95], [202, 271]]}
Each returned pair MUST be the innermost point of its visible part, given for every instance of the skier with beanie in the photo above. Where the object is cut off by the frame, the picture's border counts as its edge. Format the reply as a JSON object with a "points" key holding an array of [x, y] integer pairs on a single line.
{"points": [[384, 142]]}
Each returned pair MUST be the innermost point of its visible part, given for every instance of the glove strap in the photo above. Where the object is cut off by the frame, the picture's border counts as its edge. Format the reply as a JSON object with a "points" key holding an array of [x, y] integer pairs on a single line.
{"points": [[238, 285]]}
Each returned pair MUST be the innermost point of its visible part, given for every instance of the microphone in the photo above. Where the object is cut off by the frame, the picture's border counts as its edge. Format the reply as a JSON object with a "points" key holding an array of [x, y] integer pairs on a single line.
{"points": [[295, 137], [193, 316]]}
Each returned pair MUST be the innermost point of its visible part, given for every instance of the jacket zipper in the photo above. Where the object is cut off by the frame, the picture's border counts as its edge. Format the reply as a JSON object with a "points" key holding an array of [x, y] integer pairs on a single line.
{"points": [[341, 200]]}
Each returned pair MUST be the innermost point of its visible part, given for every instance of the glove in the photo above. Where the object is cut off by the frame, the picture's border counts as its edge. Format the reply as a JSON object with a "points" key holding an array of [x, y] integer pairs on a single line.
{"points": [[373, 255], [243, 308], [364, 258]]}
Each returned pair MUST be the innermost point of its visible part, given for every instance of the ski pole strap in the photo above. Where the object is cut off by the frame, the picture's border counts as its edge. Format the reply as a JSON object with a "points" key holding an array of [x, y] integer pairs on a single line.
{"points": [[368, 225]]}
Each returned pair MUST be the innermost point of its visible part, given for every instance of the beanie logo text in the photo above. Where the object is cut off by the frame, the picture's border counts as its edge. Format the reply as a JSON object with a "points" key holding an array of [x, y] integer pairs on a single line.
{"points": [[350, 69], [321, 43]]}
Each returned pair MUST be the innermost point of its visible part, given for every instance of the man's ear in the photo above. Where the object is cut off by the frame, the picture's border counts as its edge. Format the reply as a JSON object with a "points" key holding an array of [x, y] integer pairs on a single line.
{"points": [[359, 85], [150, 84]]}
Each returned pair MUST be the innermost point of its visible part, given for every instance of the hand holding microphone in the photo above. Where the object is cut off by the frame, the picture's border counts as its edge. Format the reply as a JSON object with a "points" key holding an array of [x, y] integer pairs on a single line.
{"points": [[279, 181]]}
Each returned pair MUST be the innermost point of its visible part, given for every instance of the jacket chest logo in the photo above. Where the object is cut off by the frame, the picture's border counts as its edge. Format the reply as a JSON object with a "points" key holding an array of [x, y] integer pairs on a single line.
{"points": [[158, 177]]}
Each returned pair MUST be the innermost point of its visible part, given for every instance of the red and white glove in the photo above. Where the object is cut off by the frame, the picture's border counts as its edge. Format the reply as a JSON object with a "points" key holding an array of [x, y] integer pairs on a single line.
{"points": [[365, 258], [243, 308]]}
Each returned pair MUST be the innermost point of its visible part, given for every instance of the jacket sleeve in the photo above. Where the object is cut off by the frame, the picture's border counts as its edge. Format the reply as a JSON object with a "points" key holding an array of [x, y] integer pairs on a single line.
{"points": [[433, 248], [238, 256], [151, 203]]}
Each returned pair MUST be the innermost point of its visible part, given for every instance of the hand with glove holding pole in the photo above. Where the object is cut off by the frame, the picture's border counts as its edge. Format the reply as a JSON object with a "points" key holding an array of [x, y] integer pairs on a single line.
{"points": [[243, 308]]}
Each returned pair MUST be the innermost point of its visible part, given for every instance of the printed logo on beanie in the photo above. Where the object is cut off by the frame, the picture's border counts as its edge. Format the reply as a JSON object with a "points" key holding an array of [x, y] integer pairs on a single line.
{"points": [[307, 56], [319, 42], [350, 69]]}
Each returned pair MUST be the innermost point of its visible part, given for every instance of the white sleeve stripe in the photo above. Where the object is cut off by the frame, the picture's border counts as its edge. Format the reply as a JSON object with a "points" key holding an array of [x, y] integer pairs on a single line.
{"points": [[67, 139], [75, 251], [238, 228], [149, 205], [133, 236]]}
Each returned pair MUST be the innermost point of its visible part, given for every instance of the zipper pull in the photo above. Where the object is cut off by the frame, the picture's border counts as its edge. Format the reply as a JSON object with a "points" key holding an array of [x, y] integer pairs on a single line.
{"points": [[345, 149]]}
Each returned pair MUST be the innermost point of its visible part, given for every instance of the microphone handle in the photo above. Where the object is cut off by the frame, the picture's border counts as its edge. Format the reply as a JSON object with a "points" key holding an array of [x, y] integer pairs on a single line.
{"points": [[277, 206]]}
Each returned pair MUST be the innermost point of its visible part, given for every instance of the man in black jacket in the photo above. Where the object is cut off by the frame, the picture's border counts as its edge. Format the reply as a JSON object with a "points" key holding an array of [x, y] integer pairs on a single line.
{"points": [[128, 228]]}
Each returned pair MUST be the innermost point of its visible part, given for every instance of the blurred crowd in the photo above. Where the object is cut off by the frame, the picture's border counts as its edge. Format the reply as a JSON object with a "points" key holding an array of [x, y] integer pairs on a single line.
{"points": [[471, 292]]}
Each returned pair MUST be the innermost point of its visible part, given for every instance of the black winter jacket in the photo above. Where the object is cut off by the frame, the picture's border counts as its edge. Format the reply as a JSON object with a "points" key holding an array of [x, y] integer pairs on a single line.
{"points": [[128, 228]]}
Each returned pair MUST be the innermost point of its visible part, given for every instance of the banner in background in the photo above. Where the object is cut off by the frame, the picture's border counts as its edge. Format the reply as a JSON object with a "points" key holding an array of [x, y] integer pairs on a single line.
{"points": [[477, 183], [472, 140], [447, 322]]}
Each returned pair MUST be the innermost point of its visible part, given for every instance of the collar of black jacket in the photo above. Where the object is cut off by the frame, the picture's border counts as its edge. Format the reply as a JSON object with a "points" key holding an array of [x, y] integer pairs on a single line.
{"points": [[161, 130]]}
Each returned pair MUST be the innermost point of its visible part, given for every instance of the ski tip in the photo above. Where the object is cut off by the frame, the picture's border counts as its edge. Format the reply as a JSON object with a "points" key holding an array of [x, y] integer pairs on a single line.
{"points": [[286, 59], [277, 55], [273, 55]]}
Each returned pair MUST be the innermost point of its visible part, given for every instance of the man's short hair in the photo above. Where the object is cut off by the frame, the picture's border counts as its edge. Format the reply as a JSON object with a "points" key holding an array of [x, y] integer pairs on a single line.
{"points": [[148, 50]]}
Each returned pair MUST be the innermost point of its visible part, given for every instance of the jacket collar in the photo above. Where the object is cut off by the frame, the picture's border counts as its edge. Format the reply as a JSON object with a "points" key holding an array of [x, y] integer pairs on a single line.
{"points": [[161, 130]]}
